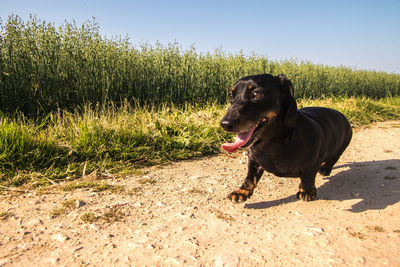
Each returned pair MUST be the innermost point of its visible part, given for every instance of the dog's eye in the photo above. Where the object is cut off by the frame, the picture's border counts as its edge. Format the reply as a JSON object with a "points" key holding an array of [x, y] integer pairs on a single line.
{"points": [[257, 95]]}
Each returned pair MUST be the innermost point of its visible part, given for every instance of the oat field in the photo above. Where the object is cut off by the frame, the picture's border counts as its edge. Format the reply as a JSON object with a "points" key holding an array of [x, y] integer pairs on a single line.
{"points": [[45, 68]]}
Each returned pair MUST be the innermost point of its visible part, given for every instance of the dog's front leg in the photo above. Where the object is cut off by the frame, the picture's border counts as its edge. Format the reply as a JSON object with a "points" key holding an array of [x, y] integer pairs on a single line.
{"points": [[307, 189], [245, 191]]}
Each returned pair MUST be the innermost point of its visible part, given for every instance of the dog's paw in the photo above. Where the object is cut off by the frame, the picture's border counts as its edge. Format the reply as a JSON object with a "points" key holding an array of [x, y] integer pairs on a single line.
{"points": [[307, 195], [240, 195], [325, 170]]}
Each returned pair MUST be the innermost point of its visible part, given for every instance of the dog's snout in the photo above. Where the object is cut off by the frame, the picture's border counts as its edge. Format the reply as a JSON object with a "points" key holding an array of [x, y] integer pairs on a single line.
{"points": [[227, 124]]}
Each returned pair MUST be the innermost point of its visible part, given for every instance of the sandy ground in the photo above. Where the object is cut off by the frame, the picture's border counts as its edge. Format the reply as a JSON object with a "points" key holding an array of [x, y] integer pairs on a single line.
{"points": [[178, 215]]}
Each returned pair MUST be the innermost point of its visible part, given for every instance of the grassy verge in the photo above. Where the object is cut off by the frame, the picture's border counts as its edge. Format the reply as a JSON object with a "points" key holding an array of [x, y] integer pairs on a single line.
{"points": [[65, 146], [360, 111]]}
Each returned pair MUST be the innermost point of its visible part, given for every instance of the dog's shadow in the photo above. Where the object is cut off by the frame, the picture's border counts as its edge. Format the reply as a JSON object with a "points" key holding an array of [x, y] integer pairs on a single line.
{"points": [[375, 183]]}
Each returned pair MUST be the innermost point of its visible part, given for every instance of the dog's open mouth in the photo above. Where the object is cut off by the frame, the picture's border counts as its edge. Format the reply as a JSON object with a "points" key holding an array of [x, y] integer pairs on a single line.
{"points": [[242, 139]]}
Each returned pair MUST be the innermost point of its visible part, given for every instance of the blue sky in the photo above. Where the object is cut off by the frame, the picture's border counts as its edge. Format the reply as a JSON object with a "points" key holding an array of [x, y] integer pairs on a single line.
{"points": [[357, 33]]}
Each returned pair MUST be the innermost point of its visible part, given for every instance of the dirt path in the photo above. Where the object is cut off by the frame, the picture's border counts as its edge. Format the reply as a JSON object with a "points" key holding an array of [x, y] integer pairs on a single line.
{"points": [[178, 215]]}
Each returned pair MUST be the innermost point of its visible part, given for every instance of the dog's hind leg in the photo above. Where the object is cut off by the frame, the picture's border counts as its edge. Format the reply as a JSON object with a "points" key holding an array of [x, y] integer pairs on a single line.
{"points": [[307, 190], [246, 190], [326, 167]]}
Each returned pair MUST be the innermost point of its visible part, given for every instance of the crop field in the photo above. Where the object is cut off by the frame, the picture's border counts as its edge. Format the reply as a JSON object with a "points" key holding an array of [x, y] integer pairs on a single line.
{"points": [[73, 102], [45, 68]]}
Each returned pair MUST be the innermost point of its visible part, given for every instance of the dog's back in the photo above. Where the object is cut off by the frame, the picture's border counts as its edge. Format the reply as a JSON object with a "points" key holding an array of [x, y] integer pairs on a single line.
{"points": [[333, 122]]}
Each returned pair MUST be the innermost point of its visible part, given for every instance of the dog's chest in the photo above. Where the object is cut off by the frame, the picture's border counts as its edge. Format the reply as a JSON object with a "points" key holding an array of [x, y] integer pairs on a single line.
{"points": [[272, 160]]}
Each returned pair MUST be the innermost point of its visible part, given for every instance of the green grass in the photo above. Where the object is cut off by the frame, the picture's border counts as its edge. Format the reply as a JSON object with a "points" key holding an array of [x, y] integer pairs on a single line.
{"points": [[66, 207], [44, 68], [66, 146], [360, 111], [97, 186], [113, 215], [109, 216], [56, 212], [89, 217], [69, 204]]}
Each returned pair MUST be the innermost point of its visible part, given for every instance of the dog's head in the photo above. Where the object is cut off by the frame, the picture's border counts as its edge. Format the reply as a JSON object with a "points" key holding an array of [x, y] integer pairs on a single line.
{"points": [[255, 102]]}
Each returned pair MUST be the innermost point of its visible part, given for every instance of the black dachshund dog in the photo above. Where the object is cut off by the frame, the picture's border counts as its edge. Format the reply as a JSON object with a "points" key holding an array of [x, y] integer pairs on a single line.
{"points": [[280, 138]]}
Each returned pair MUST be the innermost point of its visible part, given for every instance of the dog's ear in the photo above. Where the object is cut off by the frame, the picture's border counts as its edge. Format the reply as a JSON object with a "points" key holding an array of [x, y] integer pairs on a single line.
{"points": [[286, 85], [289, 104], [291, 112]]}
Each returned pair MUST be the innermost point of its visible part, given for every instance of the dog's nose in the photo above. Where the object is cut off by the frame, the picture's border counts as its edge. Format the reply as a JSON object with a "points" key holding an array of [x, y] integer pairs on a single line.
{"points": [[227, 125]]}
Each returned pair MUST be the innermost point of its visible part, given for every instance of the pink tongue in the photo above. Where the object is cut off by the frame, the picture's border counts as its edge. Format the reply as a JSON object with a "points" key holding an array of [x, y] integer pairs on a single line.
{"points": [[240, 140]]}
